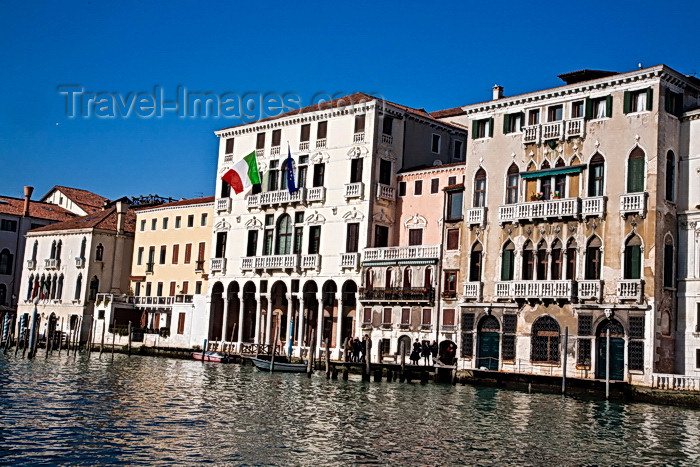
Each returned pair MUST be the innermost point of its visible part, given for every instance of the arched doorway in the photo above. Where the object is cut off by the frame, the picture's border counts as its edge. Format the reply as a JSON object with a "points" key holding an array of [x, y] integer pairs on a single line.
{"points": [[278, 307], [216, 316], [489, 338], [407, 346], [617, 349], [310, 312], [330, 290], [231, 334], [51, 333], [249, 310], [349, 306]]}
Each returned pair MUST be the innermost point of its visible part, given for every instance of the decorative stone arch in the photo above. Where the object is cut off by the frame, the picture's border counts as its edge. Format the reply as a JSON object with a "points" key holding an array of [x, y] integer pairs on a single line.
{"points": [[383, 218], [254, 224], [320, 157], [222, 226], [416, 222], [315, 219], [353, 216]]}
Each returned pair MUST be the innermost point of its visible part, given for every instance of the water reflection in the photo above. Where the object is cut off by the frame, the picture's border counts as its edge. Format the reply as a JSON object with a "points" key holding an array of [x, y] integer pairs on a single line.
{"points": [[145, 411]]}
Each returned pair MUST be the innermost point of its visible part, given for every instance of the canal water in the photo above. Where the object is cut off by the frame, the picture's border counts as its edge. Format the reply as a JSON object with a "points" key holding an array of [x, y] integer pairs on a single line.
{"points": [[156, 411]]}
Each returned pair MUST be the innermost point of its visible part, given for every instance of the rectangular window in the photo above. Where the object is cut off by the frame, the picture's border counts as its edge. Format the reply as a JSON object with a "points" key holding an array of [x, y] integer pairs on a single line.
{"points": [[513, 123], [585, 325], [427, 316], [452, 239], [148, 289], [387, 125], [276, 138], [454, 205], [267, 244], [360, 123], [636, 355], [583, 357], [143, 225], [188, 253], [356, 170], [154, 224], [600, 107], [203, 223], [352, 239], [405, 316], [415, 237], [185, 287], [577, 109], [482, 128], [512, 188], [322, 130], [417, 187], [381, 236], [181, 323], [252, 247], [139, 258], [386, 346], [508, 347], [298, 239], [458, 152], [450, 284], [636, 327], [198, 287], [448, 317], [202, 247], [555, 113], [674, 103], [451, 180], [176, 253], [367, 316], [8, 225], [305, 133], [190, 220], [533, 117], [260, 142], [384, 171], [435, 144], [172, 288], [163, 252], [402, 188], [178, 222], [151, 255], [434, 185], [137, 289], [159, 289], [229, 145], [220, 250], [386, 316], [319, 174], [165, 223], [314, 239], [637, 101], [467, 350]]}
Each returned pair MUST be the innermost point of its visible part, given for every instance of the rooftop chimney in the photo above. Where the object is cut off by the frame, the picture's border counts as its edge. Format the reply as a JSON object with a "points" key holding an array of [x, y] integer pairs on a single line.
{"points": [[121, 216], [497, 92], [28, 190]]}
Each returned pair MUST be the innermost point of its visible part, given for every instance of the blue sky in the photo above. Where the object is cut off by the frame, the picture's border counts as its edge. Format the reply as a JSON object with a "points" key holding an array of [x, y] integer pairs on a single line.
{"points": [[422, 54]]}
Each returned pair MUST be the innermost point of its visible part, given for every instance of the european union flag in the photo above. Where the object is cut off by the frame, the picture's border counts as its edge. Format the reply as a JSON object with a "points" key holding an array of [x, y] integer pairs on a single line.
{"points": [[291, 186]]}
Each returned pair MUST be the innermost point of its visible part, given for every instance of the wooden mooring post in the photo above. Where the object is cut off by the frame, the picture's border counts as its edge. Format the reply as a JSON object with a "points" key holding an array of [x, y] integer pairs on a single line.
{"points": [[310, 354], [402, 349], [102, 341], [129, 343], [328, 358], [60, 338], [368, 357]]}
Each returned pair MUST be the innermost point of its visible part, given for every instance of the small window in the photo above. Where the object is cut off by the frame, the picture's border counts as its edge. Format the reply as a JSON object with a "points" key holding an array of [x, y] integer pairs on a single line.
{"points": [[418, 188], [260, 142], [185, 287], [159, 289], [367, 316], [198, 287], [450, 285], [188, 253], [427, 317], [8, 225], [387, 125], [99, 252], [165, 223], [697, 358], [435, 145], [638, 101], [143, 225], [204, 219], [405, 316], [451, 180], [434, 185], [533, 117], [448, 317], [452, 239], [512, 123], [190, 220], [269, 220], [555, 113], [577, 109], [482, 128], [229, 146], [305, 133], [176, 253], [600, 107], [402, 188], [178, 222], [674, 103], [163, 253], [321, 130], [360, 123], [181, 323], [139, 258], [386, 316], [276, 138], [415, 237], [154, 224], [458, 152], [454, 205]]}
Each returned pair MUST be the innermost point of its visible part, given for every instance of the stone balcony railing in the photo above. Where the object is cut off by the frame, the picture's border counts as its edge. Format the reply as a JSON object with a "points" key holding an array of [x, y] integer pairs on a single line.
{"points": [[633, 203], [223, 204], [546, 209], [552, 130], [417, 295], [218, 265], [270, 198], [304, 146], [321, 143], [476, 216], [275, 151], [259, 152], [560, 130], [52, 263], [472, 291], [354, 190], [31, 264], [270, 262], [358, 137], [317, 193], [311, 262], [535, 290], [387, 139], [79, 263], [386, 192], [402, 252], [593, 207], [349, 260], [228, 158], [575, 127], [590, 290], [630, 289]]}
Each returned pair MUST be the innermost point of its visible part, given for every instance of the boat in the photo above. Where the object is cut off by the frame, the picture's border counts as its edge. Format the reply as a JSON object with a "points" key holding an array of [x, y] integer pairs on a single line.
{"points": [[278, 366], [210, 356]]}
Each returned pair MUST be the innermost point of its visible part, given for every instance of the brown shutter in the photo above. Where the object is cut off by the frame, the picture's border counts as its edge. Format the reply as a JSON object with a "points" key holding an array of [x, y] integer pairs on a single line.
{"points": [[305, 132], [200, 256], [185, 287], [176, 253], [172, 288], [360, 123], [188, 253], [322, 130], [276, 137], [261, 141]]}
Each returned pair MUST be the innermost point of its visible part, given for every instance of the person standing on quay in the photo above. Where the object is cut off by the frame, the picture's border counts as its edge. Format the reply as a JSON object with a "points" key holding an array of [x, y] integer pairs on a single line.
{"points": [[356, 349], [425, 353], [434, 351], [415, 355]]}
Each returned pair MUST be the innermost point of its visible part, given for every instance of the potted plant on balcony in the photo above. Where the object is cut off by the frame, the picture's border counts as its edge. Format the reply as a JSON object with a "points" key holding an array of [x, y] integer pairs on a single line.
{"points": [[539, 196], [556, 195]]}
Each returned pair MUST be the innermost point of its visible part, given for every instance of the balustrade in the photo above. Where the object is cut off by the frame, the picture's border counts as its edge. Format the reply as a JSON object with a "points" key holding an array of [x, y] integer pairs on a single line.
{"points": [[630, 289], [217, 265], [349, 260], [223, 204], [476, 216], [270, 262], [354, 190], [535, 289], [633, 203], [386, 192], [472, 291], [402, 252], [590, 290]]}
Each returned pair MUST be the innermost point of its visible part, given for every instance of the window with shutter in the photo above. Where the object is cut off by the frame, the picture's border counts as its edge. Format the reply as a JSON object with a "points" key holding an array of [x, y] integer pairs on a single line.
{"points": [[260, 143], [635, 171], [452, 239], [633, 259], [321, 130], [508, 262], [352, 240], [305, 132]]}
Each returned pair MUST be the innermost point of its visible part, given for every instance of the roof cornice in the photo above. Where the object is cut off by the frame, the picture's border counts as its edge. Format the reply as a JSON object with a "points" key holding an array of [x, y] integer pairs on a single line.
{"points": [[173, 208]]}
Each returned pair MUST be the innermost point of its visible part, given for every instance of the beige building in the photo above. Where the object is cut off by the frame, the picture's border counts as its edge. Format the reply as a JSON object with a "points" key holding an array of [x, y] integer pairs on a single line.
{"points": [[578, 188], [169, 271]]}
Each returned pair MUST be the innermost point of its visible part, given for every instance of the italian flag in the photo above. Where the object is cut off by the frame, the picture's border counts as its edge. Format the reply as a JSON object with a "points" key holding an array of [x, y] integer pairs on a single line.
{"points": [[243, 174]]}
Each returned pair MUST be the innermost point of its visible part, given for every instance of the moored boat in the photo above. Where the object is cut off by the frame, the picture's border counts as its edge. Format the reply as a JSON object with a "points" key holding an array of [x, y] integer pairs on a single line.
{"points": [[210, 356], [278, 366]]}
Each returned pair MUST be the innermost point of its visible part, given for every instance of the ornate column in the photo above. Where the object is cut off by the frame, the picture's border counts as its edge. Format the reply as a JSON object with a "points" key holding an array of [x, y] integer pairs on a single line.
{"points": [[224, 322], [339, 325], [564, 262], [240, 322], [257, 318], [548, 258], [290, 311], [268, 320], [300, 325], [319, 321]]}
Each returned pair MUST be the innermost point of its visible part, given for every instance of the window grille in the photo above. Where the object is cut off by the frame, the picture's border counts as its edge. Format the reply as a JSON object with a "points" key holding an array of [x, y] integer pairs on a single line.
{"points": [[545, 341], [508, 347], [467, 345], [467, 322], [510, 323], [585, 325], [583, 359], [635, 357], [636, 325]]}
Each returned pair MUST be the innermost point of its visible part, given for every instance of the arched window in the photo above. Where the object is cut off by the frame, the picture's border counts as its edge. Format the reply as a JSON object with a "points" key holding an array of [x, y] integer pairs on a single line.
{"points": [[668, 262], [53, 249], [428, 278], [596, 175], [560, 181], [475, 260], [369, 278], [44, 286], [83, 245], [480, 188], [59, 287], [407, 278], [35, 250], [54, 286], [58, 249], [633, 258], [528, 261], [593, 259], [571, 250], [94, 287], [636, 169], [546, 183], [387, 278], [78, 286], [670, 176], [508, 262], [512, 182], [284, 235], [99, 252], [557, 261], [544, 340], [36, 288], [5, 262], [541, 260], [30, 288], [3, 294]]}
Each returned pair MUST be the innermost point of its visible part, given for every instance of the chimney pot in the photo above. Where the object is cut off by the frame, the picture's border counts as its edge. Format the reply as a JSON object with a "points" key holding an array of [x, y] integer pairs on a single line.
{"points": [[28, 190], [497, 92]]}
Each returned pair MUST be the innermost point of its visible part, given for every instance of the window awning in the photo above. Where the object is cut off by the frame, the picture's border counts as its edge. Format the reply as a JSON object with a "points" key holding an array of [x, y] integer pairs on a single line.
{"points": [[572, 169]]}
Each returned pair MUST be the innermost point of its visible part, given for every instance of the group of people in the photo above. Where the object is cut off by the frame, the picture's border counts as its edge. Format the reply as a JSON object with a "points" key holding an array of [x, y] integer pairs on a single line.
{"points": [[356, 349], [424, 351]]}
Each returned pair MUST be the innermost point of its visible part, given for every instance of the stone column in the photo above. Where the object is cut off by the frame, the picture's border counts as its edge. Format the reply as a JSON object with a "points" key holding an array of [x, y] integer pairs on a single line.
{"points": [[290, 311], [300, 324], [564, 262], [339, 325], [258, 299], [224, 322], [268, 320], [548, 256], [240, 322], [319, 322]]}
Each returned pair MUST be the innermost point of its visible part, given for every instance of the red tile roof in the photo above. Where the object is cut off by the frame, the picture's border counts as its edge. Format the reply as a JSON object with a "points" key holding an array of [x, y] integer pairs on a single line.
{"points": [[103, 220], [353, 99], [182, 202], [38, 210], [87, 200]]}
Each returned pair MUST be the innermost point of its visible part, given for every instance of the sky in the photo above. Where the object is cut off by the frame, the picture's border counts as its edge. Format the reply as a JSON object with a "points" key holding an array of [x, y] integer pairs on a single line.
{"points": [[431, 55]]}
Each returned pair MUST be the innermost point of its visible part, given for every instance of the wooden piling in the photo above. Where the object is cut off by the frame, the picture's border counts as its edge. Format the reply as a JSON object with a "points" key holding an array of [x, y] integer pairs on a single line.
{"points": [[113, 334], [102, 340], [310, 354], [378, 375], [328, 358], [92, 334], [334, 372], [60, 338], [389, 375], [76, 340], [19, 338], [129, 344], [402, 349], [368, 357]]}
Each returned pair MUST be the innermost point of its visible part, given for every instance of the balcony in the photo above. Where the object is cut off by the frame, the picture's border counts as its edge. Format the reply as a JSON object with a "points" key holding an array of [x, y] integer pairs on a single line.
{"points": [[633, 203], [275, 151], [472, 291], [552, 130], [354, 190], [415, 295], [79, 263], [311, 262], [317, 193], [199, 265], [386, 192], [218, 265], [630, 289], [228, 158], [358, 137], [321, 143], [349, 260], [590, 290], [304, 146], [149, 268], [575, 127], [402, 252], [593, 207], [259, 152], [546, 209], [476, 216], [271, 198], [31, 264], [560, 130], [52, 263], [387, 139], [270, 262], [535, 290], [223, 204], [531, 134]]}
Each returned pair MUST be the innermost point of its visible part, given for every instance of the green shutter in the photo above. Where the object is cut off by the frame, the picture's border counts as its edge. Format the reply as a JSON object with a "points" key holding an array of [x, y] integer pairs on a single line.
{"points": [[627, 103], [608, 106], [475, 124], [633, 262], [507, 265], [506, 124], [650, 96], [589, 109], [635, 175], [491, 127]]}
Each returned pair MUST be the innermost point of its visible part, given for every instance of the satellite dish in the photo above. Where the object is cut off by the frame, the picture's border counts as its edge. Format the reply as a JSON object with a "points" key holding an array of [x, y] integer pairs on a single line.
{"points": [[437, 162]]}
